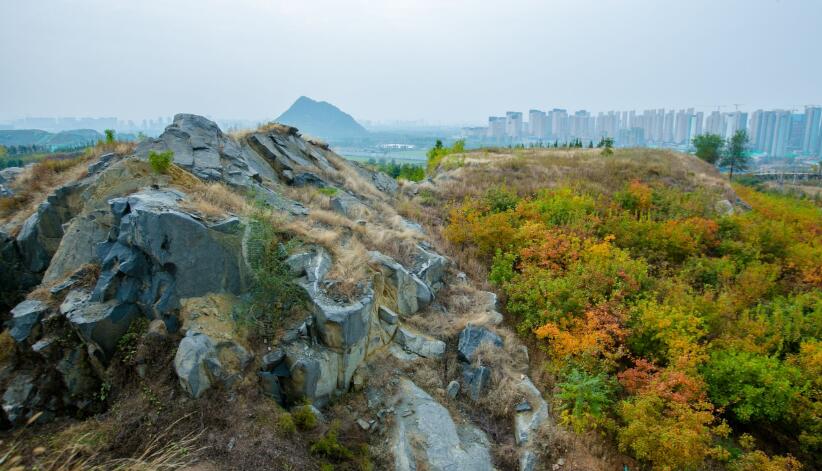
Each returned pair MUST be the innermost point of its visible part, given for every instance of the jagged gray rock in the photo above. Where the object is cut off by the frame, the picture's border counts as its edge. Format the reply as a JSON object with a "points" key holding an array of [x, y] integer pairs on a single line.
{"points": [[17, 395], [42, 231], [477, 380], [429, 433], [25, 317], [528, 420], [470, 339], [418, 343], [99, 324]]}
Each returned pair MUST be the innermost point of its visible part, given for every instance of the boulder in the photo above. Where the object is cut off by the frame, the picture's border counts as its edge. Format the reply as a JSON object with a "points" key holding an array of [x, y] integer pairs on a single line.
{"points": [[200, 363], [348, 206], [453, 389], [477, 380], [314, 373], [99, 324], [412, 293], [724, 208], [429, 266], [25, 317], [418, 343], [426, 435], [16, 398], [313, 263], [471, 338], [340, 326]]}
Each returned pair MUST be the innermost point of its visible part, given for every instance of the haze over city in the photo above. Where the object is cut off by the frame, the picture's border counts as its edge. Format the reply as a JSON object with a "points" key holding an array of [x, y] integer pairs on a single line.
{"points": [[453, 62]]}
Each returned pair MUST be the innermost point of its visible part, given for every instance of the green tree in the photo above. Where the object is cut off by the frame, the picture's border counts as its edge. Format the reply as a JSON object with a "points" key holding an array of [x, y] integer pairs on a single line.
{"points": [[583, 398], [709, 147], [3, 151], [160, 161], [109, 136], [736, 156]]}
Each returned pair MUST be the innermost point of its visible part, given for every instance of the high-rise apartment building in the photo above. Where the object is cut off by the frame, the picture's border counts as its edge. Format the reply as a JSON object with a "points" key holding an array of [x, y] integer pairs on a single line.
{"points": [[813, 133], [513, 124]]}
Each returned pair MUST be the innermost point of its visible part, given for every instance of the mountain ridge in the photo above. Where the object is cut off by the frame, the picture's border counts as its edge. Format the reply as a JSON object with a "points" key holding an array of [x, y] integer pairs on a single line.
{"points": [[321, 119]]}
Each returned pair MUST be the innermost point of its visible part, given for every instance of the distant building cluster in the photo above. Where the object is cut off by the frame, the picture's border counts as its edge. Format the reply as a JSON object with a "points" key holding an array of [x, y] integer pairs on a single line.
{"points": [[772, 132], [147, 126]]}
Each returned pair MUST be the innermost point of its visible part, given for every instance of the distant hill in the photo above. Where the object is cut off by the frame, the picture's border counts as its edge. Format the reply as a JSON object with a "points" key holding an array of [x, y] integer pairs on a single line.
{"points": [[37, 137], [321, 119]]}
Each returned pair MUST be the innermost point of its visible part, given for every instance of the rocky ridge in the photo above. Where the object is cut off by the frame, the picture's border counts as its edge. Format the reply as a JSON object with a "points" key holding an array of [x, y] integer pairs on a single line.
{"points": [[123, 247]]}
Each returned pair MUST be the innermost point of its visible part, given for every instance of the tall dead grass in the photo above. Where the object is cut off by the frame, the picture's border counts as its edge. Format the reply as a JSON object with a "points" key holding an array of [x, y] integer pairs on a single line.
{"points": [[80, 448], [37, 181]]}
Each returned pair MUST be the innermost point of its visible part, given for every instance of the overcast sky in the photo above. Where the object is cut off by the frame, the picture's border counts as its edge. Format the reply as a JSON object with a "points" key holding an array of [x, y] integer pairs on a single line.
{"points": [[439, 60]]}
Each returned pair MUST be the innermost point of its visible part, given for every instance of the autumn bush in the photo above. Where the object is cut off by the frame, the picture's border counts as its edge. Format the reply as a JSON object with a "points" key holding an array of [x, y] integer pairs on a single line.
{"points": [[664, 322]]}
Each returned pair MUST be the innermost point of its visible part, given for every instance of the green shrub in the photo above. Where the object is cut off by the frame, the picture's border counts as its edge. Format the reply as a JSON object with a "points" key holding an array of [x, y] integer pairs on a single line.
{"points": [[109, 136], [285, 424], [501, 199], [583, 399], [330, 448], [273, 292], [160, 161], [753, 387], [304, 418], [328, 191]]}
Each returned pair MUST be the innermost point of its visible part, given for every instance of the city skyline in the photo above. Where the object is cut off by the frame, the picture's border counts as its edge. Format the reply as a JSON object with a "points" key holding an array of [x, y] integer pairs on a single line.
{"points": [[777, 132]]}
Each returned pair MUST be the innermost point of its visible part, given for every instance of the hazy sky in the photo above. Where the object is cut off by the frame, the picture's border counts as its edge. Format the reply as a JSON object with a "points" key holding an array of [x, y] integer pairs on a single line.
{"points": [[439, 60]]}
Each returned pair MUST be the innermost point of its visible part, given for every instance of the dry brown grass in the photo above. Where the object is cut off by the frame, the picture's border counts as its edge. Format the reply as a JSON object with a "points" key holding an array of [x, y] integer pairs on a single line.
{"points": [[349, 268], [36, 182], [526, 171], [215, 200]]}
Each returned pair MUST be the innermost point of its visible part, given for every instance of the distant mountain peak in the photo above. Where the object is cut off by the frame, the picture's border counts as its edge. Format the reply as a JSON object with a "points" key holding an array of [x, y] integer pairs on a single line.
{"points": [[321, 119]]}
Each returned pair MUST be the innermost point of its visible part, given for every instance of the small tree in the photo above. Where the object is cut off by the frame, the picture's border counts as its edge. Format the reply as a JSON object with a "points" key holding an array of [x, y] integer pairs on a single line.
{"points": [[160, 161], [709, 147], [607, 146], [736, 156], [3, 151], [109, 136]]}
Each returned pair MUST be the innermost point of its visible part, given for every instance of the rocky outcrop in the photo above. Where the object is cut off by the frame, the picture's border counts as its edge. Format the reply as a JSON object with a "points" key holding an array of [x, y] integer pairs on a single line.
{"points": [[200, 147], [426, 437]]}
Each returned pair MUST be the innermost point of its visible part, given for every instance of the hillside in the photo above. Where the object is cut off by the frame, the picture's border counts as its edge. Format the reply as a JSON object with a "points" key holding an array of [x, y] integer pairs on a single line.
{"points": [[36, 137], [673, 318], [258, 304], [321, 119], [262, 303]]}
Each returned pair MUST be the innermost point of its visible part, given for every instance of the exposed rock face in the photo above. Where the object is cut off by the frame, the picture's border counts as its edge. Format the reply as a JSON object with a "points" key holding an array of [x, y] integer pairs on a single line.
{"points": [[428, 436]]}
